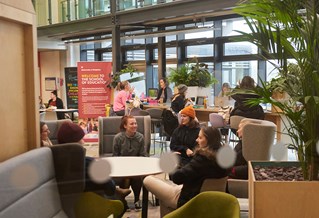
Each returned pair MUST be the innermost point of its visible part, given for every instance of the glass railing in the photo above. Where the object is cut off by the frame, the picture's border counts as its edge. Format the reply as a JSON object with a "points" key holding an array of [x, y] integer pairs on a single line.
{"points": [[53, 11]]}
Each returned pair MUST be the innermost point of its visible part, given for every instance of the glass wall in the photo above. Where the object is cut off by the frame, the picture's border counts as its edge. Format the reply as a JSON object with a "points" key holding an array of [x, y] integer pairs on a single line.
{"points": [[229, 59]]}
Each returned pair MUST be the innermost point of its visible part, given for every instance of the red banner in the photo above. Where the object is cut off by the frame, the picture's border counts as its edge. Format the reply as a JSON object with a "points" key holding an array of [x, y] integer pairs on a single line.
{"points": [[93, 93]]}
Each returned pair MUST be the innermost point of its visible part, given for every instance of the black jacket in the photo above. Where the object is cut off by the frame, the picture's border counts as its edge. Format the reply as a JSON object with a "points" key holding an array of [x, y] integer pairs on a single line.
{"points": [[183, 138], [193, 174], [167, 94], [59, 105], [178, 103], [242, 109]]}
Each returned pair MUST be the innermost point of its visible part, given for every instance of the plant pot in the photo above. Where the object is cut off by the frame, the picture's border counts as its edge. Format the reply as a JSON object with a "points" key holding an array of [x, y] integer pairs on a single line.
{"points": [[278, 199]]}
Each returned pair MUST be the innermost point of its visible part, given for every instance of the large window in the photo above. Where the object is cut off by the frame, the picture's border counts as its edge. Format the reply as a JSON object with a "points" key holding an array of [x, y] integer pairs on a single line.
{"points": [[201, 30], [234, 71], [199, 51], [230, 27], [170, 53], [137, 80], [239, 48], [135, 55]]}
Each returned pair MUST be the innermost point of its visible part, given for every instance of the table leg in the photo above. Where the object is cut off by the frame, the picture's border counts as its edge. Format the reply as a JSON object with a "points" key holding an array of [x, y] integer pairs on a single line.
{"points": [[145, 202]]}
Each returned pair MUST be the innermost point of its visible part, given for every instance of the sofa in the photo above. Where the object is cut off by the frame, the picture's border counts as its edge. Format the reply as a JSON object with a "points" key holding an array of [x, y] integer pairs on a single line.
{"points": [[42, 183], [49, 182]]}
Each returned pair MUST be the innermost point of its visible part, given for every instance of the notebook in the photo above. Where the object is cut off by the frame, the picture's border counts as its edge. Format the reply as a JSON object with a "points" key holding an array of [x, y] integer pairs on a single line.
{"points": [[223, 101]]}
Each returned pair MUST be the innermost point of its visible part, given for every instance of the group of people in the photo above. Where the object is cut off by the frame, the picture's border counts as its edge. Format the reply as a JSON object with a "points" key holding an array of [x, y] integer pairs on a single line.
{"points": [[128, 142], [196, 147]]}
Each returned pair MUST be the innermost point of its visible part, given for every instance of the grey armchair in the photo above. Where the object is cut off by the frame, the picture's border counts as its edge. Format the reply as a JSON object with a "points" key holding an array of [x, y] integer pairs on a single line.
{"points": [[257, 138], [110, 126]]}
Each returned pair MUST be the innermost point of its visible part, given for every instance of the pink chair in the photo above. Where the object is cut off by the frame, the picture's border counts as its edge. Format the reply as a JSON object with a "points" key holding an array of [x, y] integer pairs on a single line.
{"points": [[217, 120]]}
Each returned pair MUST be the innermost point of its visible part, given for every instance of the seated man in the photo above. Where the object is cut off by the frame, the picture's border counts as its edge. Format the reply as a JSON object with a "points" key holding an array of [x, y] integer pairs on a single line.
{"points": [[69, 133]]}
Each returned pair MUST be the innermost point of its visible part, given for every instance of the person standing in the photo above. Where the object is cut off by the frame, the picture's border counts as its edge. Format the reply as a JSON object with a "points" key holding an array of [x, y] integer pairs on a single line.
{"points": [[188, 180], [124, 94], [57, 102], [165, 93], [129, 142], [183, 139]]}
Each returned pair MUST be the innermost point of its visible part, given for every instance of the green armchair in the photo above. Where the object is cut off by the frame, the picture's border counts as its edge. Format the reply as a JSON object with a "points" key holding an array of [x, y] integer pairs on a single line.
{"points": [[209, 204], [91, 205]]}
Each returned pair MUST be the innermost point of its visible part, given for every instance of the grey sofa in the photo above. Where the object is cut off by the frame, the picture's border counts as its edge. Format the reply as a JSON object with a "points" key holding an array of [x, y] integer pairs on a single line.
{"points": [[110, 126], [42, 183]]}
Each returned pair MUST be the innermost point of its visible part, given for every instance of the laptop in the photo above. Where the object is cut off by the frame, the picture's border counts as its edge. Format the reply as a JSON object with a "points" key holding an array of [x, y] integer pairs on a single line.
{"points": [[223, 101]]}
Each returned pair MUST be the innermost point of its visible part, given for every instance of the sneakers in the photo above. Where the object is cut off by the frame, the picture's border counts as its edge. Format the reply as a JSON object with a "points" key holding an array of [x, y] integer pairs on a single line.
{"points": [[122, 193], [137, 205]]}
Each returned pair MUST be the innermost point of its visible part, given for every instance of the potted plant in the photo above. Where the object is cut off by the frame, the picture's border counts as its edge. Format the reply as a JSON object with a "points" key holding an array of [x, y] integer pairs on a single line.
{"points": [[196, 77], [192, 75], [290, 28]]}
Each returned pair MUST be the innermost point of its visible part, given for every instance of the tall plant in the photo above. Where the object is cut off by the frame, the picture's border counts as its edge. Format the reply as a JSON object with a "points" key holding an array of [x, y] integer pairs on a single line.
{"points": [[289, 29]]}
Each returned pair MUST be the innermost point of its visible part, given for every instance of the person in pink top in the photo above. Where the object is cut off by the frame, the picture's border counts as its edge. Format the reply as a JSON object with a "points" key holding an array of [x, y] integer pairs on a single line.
{"points": [[124, 94]]}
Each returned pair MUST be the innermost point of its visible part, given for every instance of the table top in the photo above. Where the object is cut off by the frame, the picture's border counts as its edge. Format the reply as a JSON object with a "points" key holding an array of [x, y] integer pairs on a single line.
{"points": [[165, 106], [59, 110], [133, 166]]}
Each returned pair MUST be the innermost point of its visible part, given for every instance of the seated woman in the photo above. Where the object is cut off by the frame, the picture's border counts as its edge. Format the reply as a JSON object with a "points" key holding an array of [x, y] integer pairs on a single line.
{"points": [[241, 108], [44, 134], [189, 179], [129, 142], [183, 139], [179, 100], [124, 94], [165, 93], [225, 90]]}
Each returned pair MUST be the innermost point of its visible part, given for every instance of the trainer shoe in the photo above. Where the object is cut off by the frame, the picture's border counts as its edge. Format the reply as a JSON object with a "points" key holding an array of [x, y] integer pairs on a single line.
{"points": [[137, 205]]}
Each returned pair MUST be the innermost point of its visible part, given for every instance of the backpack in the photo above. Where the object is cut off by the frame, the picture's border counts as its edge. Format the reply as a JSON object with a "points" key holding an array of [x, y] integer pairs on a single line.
{"points": [[170, 121]]}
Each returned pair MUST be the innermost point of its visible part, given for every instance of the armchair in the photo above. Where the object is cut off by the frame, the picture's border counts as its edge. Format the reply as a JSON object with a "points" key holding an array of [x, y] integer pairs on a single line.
{"points": [[209, 204], [257, 138], [110, 126]]}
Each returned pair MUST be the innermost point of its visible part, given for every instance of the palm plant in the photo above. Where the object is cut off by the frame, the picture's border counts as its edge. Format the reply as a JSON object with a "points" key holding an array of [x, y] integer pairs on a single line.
{"points": [[282, 30]]}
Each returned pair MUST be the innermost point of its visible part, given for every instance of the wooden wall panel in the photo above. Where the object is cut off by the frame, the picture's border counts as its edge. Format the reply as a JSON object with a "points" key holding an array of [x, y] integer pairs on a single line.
{"points": [[19, 79]]}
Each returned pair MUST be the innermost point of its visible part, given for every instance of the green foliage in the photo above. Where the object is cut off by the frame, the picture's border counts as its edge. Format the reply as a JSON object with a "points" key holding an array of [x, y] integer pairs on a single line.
{"points": [[115, 78], [289, 29], [192, 75]]}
